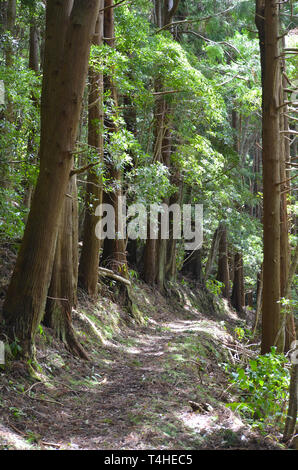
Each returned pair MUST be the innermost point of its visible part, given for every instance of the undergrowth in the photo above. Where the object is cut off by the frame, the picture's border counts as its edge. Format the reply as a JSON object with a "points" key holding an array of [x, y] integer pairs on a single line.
{"points": [[262, 390]]}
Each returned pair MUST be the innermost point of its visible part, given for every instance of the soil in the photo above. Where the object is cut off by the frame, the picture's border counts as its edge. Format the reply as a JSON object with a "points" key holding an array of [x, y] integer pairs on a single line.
{"points": [[156, 385]]}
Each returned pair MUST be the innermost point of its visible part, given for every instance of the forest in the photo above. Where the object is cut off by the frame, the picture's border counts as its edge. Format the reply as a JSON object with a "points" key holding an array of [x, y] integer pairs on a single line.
{"points": [[148, 226]]}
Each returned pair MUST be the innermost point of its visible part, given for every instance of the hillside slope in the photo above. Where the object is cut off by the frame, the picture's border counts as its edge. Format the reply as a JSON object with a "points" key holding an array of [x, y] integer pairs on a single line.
{"points": [[154, 384]]}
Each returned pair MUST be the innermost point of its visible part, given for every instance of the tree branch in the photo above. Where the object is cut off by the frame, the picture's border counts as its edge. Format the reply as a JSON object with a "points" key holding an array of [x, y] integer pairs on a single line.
{"points": [[286, 181], [174, 23], [289, 131], [110, 273], [210, 40], [112, 6], [174, 8], [82, 169], [167, 92]]}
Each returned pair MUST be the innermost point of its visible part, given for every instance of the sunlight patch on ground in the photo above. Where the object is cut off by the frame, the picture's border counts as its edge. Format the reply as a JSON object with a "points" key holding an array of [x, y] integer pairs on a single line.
{"points": [[11, 440], [199, 326], [206, 423], [195, 421]]}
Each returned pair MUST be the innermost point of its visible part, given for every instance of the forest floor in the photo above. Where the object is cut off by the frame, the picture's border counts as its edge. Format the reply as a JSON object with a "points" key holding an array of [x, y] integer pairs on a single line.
{"points": [[155, 385]]}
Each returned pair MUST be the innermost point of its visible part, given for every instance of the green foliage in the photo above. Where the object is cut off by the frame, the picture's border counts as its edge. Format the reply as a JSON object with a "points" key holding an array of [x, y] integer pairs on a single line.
{"points": [[214, 286], [17, 412], [215, 53], [289, 303], [290, 306], [17, 159], [239, 333], [13, 349], [134, 275], [263, 388], [12, 214], [210, 70], [204, 151], [32, 437], [150, 184]]}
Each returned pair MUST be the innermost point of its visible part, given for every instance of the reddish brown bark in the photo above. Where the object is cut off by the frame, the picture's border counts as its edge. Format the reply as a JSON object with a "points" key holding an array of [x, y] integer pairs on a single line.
{"points": [[289, 332], [213, 252], [31, 148], [89, 260], [62, 294], [114, 250], [271, 177], [68, 37], [8, 113], [223, 274], [149, 270], [237, 298], [159, 255]]}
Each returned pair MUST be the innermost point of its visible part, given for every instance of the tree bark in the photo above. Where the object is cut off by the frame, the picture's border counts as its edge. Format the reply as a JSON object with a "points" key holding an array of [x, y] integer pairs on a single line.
{"points": [[212, 253], [259, 301], [171, 255], [69, 30], [223, 274], [62, 294], [271, 178], [157, 267], [31, 148], [114, 250], [290, 320], [288, 332], [293, 405], [192, 265], [3, 16], [149, 269], [152, 248], [89, 260], [9, 26], [237, 298], [165, 157]]}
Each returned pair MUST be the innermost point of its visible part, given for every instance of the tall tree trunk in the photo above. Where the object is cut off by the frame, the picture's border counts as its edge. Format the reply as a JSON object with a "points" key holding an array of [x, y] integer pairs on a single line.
{"points": [[9, 26], [288, 318], [259, 301], [256, 185], [291, 419], [31, 148], [149, 268], [171, 266], [155, 253], [236, 128], [69, 29], [114, 249], [237, 298], [293, 390], [192, 265], [223, 274], [3, 16], [165, 158], [114, 254], [89, 260], [284, 229], [213, 252], [271, 179], [62, 294], [152, 246]]}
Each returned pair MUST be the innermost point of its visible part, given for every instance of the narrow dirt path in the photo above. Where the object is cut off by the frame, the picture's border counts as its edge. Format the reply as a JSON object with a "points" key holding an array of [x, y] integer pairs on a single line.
{"points": [[135, 399], [139, 397], [154, 387]]}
